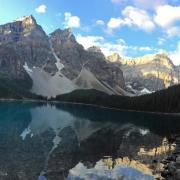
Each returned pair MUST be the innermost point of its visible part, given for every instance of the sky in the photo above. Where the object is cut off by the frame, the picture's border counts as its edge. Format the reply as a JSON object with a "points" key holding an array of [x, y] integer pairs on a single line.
{"points": [[131, 28]]}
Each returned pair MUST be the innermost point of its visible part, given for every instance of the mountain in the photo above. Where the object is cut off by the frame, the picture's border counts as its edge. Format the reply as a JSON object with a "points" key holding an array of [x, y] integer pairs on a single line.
{"points": [[25, 39], [55, 64], [23, 42], [50, 65], [147, 73], [73, 56]]}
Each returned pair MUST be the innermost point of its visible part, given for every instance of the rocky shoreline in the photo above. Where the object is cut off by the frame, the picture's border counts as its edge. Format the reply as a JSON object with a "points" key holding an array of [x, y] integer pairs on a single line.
{"points": [[172, 163]]}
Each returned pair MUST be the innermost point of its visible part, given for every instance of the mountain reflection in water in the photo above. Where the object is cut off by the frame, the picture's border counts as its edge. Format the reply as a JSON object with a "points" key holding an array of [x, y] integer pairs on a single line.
{"points": [[57, 141]]}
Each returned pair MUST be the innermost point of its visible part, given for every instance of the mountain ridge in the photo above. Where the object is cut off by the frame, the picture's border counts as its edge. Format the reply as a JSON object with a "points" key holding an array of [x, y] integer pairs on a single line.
{"points": [[153, 72], [26, 51], [57, 56]]}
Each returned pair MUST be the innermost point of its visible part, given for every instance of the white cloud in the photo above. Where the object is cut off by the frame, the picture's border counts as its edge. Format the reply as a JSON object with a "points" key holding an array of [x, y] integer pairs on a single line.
{"points": [[133, 17], [139, 18], [108, 48], [146, 48], [175, 56], [173, 31], [89, 41], [100, 22], [115, 23], [167, 15], [41, 9], [71, 21]]}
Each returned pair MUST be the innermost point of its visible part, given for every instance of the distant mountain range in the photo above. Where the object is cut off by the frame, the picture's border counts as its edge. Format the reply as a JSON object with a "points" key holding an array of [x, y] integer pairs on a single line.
{"points": [[148, 73], [55, 64]]}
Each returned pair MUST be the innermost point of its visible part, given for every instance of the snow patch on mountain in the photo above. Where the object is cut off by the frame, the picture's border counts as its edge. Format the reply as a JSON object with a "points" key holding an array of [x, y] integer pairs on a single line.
{"points": [[50, 86], [137, 92], [27, 69], [59, 65], [146, 91]]}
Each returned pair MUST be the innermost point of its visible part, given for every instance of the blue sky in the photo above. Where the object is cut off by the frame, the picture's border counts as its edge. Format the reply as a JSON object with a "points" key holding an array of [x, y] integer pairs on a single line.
{"points": [[130, 27]]}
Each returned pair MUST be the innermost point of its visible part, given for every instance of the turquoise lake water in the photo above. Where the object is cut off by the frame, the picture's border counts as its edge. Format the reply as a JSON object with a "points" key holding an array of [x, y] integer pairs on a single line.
{"points": [[65, 141]]}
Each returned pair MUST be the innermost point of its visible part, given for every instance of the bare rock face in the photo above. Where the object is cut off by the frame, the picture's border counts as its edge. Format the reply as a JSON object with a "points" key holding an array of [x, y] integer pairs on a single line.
{"points": [[70, 53], [95, 50], [153, 72], [74, 57], [24, 41], [109, 73], [24, 47], [9, 60]]}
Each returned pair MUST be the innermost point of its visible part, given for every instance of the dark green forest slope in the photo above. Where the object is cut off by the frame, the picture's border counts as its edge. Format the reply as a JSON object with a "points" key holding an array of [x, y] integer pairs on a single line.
{"points": [[166, 101], [16, 89]]}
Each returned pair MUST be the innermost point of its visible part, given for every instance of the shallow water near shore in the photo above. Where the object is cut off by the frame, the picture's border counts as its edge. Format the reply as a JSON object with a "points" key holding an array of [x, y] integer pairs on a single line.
{"points": [[57, 141]]}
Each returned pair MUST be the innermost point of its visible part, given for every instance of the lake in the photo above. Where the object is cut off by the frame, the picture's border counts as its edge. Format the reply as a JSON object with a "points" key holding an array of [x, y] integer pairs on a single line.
{"points": [[66, 141]]}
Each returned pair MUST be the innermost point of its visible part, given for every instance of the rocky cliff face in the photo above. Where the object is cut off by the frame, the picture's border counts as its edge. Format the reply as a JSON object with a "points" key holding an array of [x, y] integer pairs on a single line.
{"points": [[24, 41], [74, 57], [152, 72], [25, 49]]}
